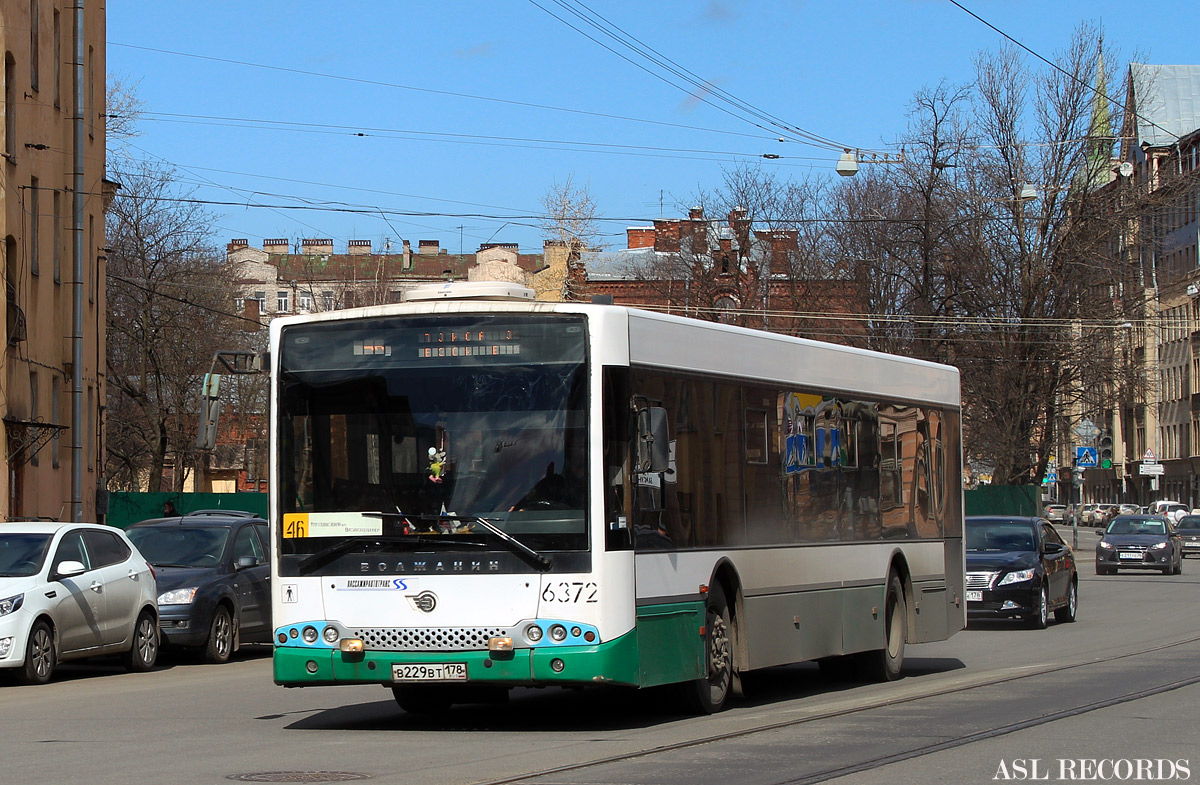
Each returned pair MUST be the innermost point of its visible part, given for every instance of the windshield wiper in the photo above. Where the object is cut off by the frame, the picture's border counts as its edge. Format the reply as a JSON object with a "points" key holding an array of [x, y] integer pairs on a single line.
{"points": [[342, 547], [523, 551]]}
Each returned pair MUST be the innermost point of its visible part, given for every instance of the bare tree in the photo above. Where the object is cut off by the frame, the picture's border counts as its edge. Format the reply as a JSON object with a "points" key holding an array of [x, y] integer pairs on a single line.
{"points": [[168, 311], [570, 218]]}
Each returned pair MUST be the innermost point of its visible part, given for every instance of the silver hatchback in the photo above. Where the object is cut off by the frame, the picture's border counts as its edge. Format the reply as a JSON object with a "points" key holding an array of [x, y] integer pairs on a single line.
{"points": [[73, 590]]}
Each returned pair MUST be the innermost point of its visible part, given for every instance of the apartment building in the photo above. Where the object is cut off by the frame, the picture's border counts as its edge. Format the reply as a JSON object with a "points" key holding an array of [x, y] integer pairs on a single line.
{"points": [[52, 200]]}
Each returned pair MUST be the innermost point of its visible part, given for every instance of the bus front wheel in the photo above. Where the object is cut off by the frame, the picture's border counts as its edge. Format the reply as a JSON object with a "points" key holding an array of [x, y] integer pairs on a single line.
{"points": [[885, 664], [422, 699], [709, 693]]}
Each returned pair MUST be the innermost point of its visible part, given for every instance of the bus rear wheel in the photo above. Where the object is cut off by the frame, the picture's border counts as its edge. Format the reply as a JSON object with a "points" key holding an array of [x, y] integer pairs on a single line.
{"points": [[709, 693], [885, 664]]}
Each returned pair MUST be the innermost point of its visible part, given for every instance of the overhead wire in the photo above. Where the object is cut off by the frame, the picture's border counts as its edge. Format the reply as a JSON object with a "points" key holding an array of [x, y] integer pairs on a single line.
{"points": [[701, 87]]}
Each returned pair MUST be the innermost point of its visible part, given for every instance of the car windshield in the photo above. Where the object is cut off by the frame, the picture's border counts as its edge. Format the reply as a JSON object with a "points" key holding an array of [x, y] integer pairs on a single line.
{"points": [[1190, 522], [22, 555], [999, 536], [180, 546], [1137, 526]]}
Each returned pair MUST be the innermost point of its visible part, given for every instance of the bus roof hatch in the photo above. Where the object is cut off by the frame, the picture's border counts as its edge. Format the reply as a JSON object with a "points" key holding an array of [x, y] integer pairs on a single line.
{"points": [[469, 290]]}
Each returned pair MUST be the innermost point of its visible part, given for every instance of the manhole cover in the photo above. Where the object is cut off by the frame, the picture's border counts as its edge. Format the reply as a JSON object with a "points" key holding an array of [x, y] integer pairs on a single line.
{"points": [[299, 776]]}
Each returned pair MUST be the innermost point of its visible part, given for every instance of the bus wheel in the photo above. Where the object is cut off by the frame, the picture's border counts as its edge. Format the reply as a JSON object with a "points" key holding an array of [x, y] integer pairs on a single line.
{"points": [[422, 699], [885, 664], [707, 695]]}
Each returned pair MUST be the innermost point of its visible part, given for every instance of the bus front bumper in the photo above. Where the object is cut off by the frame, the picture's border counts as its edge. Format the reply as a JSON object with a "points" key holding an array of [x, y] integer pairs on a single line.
{"points": [[614, 662]]}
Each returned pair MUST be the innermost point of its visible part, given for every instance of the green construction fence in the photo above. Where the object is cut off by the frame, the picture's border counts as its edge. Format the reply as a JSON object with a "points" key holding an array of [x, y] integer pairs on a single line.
{"points": [[125, 508]]}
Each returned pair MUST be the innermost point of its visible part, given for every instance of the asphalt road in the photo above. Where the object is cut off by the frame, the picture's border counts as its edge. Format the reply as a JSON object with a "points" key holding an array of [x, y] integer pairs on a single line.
{"points": [[1122, 683]]}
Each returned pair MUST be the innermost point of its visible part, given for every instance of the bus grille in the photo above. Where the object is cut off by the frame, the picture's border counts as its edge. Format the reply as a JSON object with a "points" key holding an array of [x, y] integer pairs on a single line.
{"points": [[428, 638]]}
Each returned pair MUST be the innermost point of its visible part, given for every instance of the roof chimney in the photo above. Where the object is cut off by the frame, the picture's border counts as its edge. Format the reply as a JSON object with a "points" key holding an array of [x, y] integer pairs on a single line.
{"points": [[359, 247], [428, 247], [696, 214], [276, 245], [236, 245], [640, 237], [407, 255], [310, 245]]}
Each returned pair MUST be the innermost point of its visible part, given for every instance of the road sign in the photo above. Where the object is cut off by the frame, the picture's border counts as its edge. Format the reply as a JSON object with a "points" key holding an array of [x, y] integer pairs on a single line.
{"points": [[1085, 457], [1151, 468], [1086, 429], [1150, 457]]}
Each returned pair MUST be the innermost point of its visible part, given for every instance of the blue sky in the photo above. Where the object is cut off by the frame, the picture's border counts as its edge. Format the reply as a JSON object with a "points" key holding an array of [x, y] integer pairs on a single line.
{"points": [[451, 120]]}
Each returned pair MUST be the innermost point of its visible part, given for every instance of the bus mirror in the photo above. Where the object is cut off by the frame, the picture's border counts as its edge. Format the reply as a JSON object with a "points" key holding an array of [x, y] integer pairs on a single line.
{"points": [[652, 455]]}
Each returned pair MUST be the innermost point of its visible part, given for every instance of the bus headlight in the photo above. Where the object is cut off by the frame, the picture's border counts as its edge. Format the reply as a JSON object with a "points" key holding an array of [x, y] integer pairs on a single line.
{"points": [[558, 633], [310, 634], [533, 633], [330, 635]]}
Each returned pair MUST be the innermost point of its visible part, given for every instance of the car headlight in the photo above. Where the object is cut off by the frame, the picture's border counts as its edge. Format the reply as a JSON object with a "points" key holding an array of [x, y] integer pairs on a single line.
{"points": [[177, 596], [1105, 545], [10, 604], [1158, 546], [1016, 577]]}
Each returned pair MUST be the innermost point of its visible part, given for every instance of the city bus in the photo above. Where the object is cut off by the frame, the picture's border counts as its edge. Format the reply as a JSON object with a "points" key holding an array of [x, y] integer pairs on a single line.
{"points": [[472, 490]]}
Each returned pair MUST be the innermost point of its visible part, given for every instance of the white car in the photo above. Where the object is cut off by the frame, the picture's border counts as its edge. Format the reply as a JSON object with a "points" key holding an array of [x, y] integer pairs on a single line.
{"points": [[73, 590]]}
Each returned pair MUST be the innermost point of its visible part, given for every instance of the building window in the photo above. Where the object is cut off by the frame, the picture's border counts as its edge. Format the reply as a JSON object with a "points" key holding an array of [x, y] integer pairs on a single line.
{"points": [[281, 302], [35, 220], [326, 301], [33, 44], [56, 228], [305, 301], [239, 304], [33, 408], [57, 59], [10, 107], [92, 435], [54, 418]]}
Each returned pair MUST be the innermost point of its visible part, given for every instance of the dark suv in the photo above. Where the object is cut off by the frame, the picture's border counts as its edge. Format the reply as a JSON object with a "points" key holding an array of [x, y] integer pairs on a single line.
{"points": [[213, 571]]}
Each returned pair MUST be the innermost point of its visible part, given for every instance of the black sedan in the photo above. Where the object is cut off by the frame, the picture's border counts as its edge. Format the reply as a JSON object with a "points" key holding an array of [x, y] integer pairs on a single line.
{"points": [[1019, 568], [1139, 542], [213, 575], [1189, 532]]}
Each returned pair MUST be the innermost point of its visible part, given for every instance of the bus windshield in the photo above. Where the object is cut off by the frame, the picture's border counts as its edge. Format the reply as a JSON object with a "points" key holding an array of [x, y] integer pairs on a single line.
{"points": [[429, 422]]}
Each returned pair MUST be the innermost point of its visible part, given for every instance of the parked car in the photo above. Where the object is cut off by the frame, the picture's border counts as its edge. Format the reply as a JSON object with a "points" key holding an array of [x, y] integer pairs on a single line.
{"points": [[1172, 511], [73, 590], [1088, 514], [1104, 514], [1056, 512], [1140, 542], [1019, 567], [1128, 509], [213, 579], [1189, 535]]}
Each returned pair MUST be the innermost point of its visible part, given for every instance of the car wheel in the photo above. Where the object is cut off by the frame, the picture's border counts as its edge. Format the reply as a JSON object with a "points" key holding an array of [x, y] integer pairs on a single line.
{"points": [[709, 693], [1041, 613], [1066, 613], [1102, 570], [143, 650], [39, 655], [220, 637], [1179, 565]]}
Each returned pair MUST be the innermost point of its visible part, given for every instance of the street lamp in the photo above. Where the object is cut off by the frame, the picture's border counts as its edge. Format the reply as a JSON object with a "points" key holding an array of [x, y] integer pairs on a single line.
{"points": [[847, 165]]}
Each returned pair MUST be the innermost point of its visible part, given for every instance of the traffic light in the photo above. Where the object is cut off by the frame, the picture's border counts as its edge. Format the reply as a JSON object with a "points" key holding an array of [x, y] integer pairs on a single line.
{"points": [[1106, 450], [1064, 474]]}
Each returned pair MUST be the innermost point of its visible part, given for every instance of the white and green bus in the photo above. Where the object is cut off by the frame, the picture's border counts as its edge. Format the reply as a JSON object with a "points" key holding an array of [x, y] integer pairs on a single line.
{"points": [[473, 491]]}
